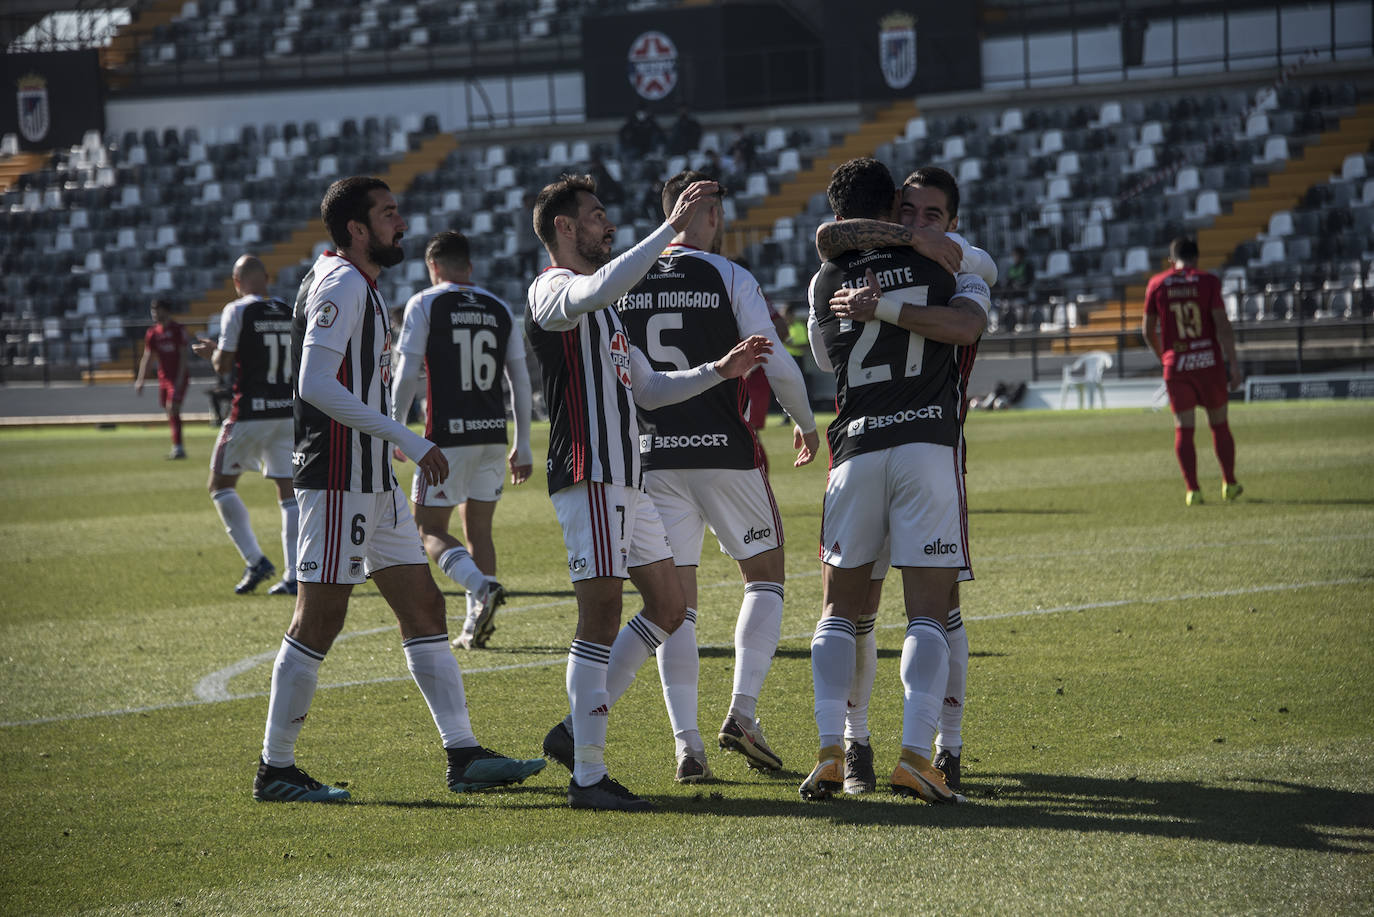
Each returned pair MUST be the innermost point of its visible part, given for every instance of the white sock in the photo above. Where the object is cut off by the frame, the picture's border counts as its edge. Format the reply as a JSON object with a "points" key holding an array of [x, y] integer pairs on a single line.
{"points": [[435, 670], [635, 643], [591, 707], [925, 671], [679, 668], [471, 604], [458, 566], [832, 669], [756, 641], [950, 737], [294, 676], [290, 530], [234, 515], [861, 686]]}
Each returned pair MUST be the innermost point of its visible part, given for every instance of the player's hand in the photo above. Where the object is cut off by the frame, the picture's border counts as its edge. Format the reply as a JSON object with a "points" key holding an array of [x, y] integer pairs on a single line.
{"points": [[398, 455], [433, 465], [806, 444], [939, 248], [857, 304], [744, 356], [519, 474], [138, 388], [1237, 377], [203, 347], [690, 201]]}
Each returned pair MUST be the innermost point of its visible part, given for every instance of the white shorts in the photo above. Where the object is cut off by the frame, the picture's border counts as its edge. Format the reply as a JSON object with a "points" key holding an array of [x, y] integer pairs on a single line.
{"points": [[608, 529], [913, 493], [737, 505], [252, 445], [345, 537], [884, 563], [474, 473]]}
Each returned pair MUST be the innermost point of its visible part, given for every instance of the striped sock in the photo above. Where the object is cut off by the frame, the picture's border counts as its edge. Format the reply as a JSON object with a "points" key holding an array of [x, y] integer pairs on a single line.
{"points": [[436, 673], [635, 643], [861, 686], [925, 672], [756, 641], [294, 676], [832, 670], [950, 737], [590, 706], [679, 668]]}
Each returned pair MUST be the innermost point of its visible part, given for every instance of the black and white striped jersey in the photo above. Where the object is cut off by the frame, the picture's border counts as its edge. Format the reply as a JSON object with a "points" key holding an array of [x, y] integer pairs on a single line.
{"points": [[466, 335], [691, 308], [257, 331], [892, 385], [339, 308], [587, 389]]}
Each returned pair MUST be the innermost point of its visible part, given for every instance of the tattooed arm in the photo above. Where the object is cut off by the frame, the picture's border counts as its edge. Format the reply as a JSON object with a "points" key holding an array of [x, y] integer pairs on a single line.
{"points": [[857, 235]]}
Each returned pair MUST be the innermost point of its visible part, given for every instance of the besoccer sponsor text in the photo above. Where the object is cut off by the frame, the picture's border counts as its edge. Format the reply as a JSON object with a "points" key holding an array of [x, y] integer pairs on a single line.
{"points": [[648, 443], [460, 425], [861, 424]]}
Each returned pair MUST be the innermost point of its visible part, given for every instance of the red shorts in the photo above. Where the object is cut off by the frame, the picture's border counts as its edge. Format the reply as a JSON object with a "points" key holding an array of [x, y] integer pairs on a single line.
{"points": [[168, 393], [1203, 388], [758, 390]]}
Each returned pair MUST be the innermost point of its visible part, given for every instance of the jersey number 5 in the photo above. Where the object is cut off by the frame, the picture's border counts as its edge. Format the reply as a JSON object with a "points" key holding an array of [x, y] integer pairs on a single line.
{"points": [[476, 358]]}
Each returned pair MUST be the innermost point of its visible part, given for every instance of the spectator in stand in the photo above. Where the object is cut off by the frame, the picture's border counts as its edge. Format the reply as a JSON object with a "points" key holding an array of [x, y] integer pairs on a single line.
{"points": [[639, 136], [651, 202], [685, 134], [612, 193], [1020, 278], [712, 165], [744, 151]]}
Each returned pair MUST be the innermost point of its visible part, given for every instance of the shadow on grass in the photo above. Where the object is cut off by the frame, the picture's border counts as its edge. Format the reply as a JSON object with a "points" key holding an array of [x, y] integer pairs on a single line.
{"points": [[1347, 502], [998, 511], [531, 798], [1270, 813], [515, 593]]}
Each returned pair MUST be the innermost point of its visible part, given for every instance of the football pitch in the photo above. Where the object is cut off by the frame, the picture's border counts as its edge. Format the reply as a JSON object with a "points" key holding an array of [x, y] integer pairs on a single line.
{"points": [[1170, 709]]}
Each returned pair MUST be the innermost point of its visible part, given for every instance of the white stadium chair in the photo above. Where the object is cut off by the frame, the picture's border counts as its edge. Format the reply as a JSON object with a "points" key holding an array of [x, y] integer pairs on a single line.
{"points": [[418, 225], [1151, 133], [1353, 167], [1108, 114], [1067, 164], [1187, 179], [774, 139], [1137, 262], [789, 162], [1058, 264], [453, 201], [970, 170], [756, 185], [1206, 205], [1051, 141], [482, 222], [1275, 150], [916, 129], [496, 155], [1011, 122], [954, 149], [1280, 224], [581, 151], [1093, 236], [1256, 126]]}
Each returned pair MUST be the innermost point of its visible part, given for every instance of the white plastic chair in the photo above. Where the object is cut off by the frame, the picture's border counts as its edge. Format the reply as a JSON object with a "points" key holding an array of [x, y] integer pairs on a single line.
{"points": [[1086, 373]]}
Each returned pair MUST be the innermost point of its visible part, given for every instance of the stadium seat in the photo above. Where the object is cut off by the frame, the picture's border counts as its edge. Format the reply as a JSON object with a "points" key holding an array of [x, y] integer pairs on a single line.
{"points": [[785, 278], [1067, 164], [1353, 168], [1280, 224], [1058, 264], [1051, 141], [970, 170], [1187, 179], [1275, 150], [774, 139], [1108, 114], [1011, 122], [915, 129], [1205, 206], [1256, 126], [1137, 261], [1271, 252], [789, 162], [954, 149], [1092, 236]]}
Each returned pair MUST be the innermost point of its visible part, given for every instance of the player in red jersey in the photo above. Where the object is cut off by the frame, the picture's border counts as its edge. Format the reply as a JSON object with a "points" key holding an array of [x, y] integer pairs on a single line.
{"points": [[1186, 326], [166, 342]]}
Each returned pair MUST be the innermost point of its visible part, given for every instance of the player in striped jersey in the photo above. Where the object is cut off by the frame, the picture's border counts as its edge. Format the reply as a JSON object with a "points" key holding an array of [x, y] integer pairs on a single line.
{"points": [[703, 466], [255, 348], [929, 212], [354, 523], [593, 379], [894, 472], [467, 340]]}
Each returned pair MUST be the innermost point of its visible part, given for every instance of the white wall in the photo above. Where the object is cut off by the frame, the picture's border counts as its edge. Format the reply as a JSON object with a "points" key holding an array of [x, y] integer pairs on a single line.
{"points": [[460, 104]]}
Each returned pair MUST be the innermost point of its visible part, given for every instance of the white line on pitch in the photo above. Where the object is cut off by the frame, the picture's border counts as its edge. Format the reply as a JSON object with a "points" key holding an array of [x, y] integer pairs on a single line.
{"points": [[248, 663]]}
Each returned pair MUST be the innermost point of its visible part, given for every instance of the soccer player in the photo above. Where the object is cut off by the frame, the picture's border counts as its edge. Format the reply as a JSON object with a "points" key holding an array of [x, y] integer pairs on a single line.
{"points": [[467, 340], [704, 466], [255, 348], [1186, 326], [895, 473], [166, 342], [593, 379], [929, 213], [354, 524]]}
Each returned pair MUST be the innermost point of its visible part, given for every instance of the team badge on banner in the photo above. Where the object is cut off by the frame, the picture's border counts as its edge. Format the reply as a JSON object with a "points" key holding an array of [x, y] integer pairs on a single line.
{"points": [[897, 49], [653, 65], [34, 117]]}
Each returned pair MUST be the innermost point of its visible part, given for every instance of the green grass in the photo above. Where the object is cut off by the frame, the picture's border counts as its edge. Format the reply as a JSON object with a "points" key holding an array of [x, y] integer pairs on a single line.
{"points": [[1170, 709]]}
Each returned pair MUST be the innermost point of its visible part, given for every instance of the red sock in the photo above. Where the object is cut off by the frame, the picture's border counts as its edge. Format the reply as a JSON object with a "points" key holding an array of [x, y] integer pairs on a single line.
{"points": [[175, 421], [1225, 446], [1187, 455]]}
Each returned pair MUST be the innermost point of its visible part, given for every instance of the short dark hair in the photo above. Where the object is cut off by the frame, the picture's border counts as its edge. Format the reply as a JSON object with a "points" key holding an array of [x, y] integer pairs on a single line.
{"points": [[165, 304], [1183, 249], [348, 199], [861, 189], [673, 187], [451, 249], [938, 178], [558, 199]]}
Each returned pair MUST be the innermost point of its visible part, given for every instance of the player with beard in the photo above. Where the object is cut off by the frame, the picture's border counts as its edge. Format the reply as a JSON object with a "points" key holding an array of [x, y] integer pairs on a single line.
{"points": [[593, 380], [354, 522]]}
